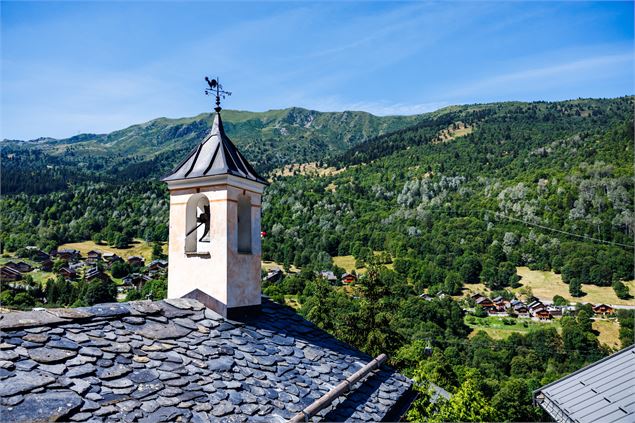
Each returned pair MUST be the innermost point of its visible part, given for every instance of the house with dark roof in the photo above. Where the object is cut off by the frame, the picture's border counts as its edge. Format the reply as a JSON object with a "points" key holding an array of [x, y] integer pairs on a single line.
{"points": [[349, 278], [136, 261], [273, 275], [66, 254], [21, 266], [94, 273], [93, 256], [603, 309], [328, 275], [68, 273], [9, 274], [46, 265], [37, 254], [600, 392]]}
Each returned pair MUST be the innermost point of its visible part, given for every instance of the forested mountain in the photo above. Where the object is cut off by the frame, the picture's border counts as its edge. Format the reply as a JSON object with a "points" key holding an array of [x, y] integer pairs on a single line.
{"points": [[270, 139], [462, 195]]}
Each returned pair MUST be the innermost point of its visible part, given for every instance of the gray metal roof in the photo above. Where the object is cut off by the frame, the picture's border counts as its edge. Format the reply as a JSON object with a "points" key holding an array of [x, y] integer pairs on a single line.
{"points": [[215, 155], [601, 392], [175, 360]]}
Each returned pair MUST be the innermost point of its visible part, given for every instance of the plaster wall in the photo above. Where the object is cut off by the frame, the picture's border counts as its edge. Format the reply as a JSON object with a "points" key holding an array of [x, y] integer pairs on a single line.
{"points": [[232, 278]]}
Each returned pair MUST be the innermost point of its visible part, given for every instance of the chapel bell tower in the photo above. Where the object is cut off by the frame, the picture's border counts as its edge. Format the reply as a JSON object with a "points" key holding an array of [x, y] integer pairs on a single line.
{"points": [[214, 245]]}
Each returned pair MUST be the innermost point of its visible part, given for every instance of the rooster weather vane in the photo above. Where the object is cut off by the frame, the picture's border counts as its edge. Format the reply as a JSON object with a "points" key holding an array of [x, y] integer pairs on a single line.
{"points": [[215, 88]]}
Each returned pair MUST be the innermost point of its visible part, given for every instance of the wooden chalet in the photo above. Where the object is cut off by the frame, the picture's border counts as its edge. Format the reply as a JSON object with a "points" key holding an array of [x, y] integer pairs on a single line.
{"points": [[9, 274], [136, 261], [111, 258], [136, 279], [66, 254], [520, 308], [273, 275], [37, 254], [543, 314], [94, 274], [329, 276], [603, 309], [46, 265], [157, 265], [93, 256], [21, 266], [68, 273], [476, 296], [349, 278], [485, 303]]}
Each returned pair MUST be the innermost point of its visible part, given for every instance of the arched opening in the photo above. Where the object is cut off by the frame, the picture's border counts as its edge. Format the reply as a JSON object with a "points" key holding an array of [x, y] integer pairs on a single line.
{"points": [[244, 224], [197, 224]]}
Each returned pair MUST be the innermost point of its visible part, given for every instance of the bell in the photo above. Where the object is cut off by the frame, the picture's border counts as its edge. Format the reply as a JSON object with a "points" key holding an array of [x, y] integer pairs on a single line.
{"points": [[204, 218]]}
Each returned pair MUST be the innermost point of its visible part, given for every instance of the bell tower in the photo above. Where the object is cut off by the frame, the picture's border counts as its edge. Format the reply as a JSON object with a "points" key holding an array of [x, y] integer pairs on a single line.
{"points": [[214, 243]]}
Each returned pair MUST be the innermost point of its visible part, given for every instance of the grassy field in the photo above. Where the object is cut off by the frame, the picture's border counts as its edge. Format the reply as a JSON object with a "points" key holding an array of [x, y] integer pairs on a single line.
{"points": [[545, 285], [137, 248], [496, 329], [609, 332], [348, 263], [268, 265]]}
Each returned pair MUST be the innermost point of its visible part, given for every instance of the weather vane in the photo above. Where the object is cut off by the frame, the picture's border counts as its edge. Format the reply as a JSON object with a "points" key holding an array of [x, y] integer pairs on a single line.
{"points": [[216, 88]]}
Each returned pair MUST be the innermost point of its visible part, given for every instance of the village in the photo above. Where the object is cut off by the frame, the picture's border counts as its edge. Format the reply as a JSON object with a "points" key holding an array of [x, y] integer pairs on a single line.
{"points": [[128, 273]]}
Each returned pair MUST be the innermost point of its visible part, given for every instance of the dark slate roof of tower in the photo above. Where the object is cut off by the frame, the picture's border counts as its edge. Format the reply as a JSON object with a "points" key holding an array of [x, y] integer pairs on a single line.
{"points": [[601, 392], [215, 155], [175, 360]]}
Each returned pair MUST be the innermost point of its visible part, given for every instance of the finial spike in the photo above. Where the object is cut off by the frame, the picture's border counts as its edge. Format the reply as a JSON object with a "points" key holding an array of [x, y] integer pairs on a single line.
{"points": [[217, 89]]}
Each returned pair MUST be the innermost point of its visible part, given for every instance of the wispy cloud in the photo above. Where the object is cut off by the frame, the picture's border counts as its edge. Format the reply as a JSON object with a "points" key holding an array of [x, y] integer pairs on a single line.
{"points": [[549, 75]]}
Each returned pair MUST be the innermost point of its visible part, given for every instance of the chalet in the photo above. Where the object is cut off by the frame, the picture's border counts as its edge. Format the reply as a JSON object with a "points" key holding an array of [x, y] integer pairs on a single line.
{"points": [[485, 303], [94, 274], [329, 276], [37, 254], [555, 311], [9, 274], [157, 265], [93, 256], [535, 305], [66, 254], [476, 296], [521, 309], [273, 275], [136, 279], [349, 278], [542, 314], [603, 309], [111, 258], [136, 261], [68, 273], [21, 266], [46, 265]]}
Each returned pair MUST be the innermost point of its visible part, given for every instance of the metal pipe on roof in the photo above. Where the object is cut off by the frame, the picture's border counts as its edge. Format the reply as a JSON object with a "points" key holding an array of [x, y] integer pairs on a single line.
{"points": [[326, 399]]}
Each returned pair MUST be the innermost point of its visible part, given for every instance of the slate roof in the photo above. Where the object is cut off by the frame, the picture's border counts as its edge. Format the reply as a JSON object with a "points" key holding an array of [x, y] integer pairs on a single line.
{"points": [[175, 360], [601, 392], [215, 155]]}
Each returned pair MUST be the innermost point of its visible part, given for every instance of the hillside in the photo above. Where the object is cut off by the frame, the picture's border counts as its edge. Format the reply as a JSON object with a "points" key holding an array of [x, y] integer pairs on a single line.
{"points": [[465, 197], [269, 139], [544, 185]]}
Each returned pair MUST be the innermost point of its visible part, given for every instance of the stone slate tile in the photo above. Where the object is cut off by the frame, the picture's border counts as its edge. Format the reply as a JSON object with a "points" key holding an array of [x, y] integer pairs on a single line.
{"points": [[43, 407]]}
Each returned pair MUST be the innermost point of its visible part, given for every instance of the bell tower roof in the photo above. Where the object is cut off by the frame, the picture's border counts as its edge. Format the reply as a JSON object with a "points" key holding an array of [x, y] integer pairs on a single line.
{"points": [[215, 155]]}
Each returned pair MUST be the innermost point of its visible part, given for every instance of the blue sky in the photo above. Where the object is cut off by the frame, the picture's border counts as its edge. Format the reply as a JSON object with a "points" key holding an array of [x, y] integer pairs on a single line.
{"points": [[74, 67]]}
